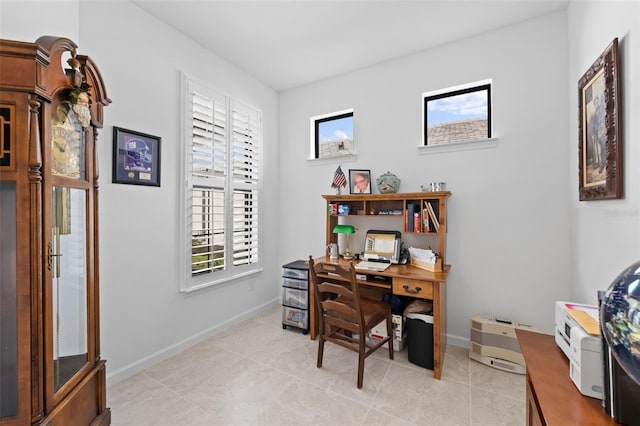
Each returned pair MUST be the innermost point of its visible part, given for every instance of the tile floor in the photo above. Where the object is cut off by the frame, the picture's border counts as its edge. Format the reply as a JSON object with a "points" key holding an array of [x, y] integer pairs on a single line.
{"points": [[256, 373]]}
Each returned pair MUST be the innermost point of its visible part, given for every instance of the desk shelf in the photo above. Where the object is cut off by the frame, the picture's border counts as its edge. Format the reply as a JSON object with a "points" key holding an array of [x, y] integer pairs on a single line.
{"points": [[373, 206]]}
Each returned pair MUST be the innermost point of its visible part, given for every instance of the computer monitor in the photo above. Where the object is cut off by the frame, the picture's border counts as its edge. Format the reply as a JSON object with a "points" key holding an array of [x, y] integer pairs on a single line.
{"points": [[382, 246]]}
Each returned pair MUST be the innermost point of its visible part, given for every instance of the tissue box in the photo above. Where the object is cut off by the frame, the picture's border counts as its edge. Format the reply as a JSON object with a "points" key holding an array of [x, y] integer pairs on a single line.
{"points": [[433, 267]]}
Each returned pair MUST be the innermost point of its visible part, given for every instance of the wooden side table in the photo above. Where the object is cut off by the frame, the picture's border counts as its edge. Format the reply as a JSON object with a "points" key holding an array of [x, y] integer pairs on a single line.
{"points": [[552, 398]]}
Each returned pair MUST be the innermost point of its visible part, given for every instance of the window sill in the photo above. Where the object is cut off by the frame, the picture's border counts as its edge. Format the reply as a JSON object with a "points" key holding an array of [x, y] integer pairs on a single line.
{"points": [[222, 281], [459, 146], [348, 158]]}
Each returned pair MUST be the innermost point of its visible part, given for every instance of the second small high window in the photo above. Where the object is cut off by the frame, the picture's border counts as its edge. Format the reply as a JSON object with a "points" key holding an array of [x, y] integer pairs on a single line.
{"points": [[457, 114]]}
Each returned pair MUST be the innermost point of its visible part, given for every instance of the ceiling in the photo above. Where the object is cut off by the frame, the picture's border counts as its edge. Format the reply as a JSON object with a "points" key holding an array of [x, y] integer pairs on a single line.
{"points": [[286, 44]]}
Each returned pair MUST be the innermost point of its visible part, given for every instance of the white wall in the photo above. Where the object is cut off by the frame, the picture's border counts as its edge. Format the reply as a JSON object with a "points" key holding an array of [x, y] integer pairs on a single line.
{"points": [[28, 20], [508, 239], [605, 234], [144, 316]]}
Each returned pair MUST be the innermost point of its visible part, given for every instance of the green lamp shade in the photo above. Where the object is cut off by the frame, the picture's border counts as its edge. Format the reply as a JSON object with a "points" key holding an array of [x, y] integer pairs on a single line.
{"points": [[344, 229]]}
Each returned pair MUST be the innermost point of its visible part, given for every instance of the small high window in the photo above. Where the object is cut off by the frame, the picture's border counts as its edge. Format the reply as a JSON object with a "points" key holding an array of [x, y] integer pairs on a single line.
{"points": [[332, 134], [457, 114]]}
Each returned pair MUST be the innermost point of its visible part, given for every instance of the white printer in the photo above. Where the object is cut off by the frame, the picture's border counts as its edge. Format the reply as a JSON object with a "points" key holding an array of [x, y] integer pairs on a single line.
{"points": [[583, 350]]}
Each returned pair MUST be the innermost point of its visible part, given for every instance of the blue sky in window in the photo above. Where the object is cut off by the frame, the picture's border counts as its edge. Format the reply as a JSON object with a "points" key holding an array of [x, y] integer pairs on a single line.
{"points": [[460, 107], [334, 130]]}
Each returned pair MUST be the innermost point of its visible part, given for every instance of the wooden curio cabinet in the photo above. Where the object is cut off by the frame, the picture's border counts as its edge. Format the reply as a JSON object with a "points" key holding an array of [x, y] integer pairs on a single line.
{"points": [[51, 105]]}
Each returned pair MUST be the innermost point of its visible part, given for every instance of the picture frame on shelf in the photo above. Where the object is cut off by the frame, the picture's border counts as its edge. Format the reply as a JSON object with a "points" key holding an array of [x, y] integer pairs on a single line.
{"points": [[359, 181], [600, 129], [136, 157]]}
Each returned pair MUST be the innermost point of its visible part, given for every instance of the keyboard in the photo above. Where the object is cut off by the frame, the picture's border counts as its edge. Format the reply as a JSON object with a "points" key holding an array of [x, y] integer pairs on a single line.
{"points": [[372, 266]]}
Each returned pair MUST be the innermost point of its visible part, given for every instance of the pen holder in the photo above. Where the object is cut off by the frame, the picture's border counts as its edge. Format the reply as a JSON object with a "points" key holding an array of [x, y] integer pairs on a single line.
{"points": [[433, 267]]}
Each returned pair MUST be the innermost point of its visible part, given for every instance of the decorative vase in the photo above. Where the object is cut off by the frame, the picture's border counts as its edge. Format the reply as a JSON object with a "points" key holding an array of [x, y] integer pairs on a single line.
{"points": [[388, 183]]}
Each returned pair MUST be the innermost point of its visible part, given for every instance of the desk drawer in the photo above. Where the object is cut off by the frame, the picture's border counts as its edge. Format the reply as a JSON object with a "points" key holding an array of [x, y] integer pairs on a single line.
{"points": [[413, 288]]}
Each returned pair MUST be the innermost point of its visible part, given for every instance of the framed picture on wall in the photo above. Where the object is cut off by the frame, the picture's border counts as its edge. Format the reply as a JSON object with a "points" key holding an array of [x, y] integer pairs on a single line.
{"points": [[136, 157], [360, 181], [600, 130]]}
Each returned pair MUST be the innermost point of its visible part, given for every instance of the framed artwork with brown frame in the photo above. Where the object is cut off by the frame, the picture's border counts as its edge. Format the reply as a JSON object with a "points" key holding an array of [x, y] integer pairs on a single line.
{"points": [[600, 129]]}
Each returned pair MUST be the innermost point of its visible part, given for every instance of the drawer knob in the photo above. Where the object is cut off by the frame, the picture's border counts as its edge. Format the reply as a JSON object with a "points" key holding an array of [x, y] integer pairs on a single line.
{"points": [[416, 291]]}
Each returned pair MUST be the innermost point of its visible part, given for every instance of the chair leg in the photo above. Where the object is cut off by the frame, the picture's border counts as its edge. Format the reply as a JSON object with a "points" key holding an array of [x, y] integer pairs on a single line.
{"points": [[390, 334], [361, 356], [320, 350]]}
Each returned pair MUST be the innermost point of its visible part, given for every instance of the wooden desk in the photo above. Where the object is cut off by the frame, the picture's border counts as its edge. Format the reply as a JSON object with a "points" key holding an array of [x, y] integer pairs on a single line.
{"points": [[405, 280], [552, 398]]}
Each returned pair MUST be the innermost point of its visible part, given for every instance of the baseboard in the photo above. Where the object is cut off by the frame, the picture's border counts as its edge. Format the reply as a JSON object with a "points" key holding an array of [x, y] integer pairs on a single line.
{"points": [[460, 341], [146, 362]]}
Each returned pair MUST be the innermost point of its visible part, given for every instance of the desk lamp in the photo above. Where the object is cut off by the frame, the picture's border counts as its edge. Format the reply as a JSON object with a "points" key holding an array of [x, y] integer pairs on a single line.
{"points": [[348, 230]]}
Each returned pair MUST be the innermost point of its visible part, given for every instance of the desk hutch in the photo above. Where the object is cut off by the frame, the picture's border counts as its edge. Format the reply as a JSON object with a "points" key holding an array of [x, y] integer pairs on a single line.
{"points": [[51, 372], [375, 206], [404, 280]]}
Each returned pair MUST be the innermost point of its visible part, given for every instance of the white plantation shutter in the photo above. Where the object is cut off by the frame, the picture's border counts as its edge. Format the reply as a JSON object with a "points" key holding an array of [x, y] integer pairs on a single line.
{"points": [[209, 123], [222, 168], [220, 131], [246, 169], [207, 213], [246, 155], [245, 230]]}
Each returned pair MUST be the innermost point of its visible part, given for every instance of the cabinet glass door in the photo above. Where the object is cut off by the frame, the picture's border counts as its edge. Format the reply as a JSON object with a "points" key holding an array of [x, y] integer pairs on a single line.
{"points": [[8, 303], [68, 260]]}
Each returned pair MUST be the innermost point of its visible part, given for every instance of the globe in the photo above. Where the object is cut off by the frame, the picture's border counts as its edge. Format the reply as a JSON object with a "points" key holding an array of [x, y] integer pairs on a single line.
{"points": [[620, 320]]}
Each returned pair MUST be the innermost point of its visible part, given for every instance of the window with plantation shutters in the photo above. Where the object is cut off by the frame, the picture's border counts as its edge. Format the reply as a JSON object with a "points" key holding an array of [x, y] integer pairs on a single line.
{"points": [[222, 178]]}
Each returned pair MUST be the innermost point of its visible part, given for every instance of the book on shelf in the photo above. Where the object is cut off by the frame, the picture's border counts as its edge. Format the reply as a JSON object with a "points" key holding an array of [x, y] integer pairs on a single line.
{"points": [[393, 212], [433, 216], [410, 214], [425, 220], [416, 222]]}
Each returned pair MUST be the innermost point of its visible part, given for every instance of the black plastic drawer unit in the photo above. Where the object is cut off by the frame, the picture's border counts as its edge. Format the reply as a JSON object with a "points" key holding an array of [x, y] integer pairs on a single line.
{"points": [[295, 295]]}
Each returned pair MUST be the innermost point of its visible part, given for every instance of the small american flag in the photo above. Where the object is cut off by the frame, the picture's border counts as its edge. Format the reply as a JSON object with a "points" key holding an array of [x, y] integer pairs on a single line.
{"points": [[339, 179]]}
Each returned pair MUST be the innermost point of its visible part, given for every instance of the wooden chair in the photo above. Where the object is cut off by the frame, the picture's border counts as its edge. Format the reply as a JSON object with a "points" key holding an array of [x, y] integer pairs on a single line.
{"points": [[344, 317]]}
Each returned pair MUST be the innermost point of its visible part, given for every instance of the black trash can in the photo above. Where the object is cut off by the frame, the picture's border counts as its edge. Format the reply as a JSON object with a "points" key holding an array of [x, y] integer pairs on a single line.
{"points": [[420, 339]]}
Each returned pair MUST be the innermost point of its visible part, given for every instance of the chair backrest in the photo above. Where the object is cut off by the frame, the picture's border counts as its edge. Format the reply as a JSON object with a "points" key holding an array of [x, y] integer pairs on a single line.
{"points": [[338, 304]]}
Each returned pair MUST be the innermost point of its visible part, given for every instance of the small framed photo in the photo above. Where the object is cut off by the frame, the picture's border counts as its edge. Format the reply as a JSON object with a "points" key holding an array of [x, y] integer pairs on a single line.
{"points": [[136, 157], [360, 181], [600, 129]]}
